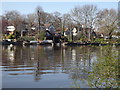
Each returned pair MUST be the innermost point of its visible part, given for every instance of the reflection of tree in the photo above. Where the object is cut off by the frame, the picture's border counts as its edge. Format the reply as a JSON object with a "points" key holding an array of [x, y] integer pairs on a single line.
{"points": [[74, 61], [105, 70], [77, 62], [8, 55], [38, 56], [47, 58], [81, 63]]}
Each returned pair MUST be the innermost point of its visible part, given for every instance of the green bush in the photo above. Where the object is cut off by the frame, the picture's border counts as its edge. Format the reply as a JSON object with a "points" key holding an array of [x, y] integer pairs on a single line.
{"points": [[99, 40], [105, 70], [26, 38], [118, 40], [40, 36], [11, 36]]}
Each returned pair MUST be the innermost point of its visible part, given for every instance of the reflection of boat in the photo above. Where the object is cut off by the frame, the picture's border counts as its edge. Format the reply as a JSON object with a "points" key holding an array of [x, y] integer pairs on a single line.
{"points": [[5, 42]]}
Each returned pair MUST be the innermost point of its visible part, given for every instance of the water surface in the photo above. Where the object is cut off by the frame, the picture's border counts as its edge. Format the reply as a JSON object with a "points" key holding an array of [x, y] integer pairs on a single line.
{"points": [[47, 66]]}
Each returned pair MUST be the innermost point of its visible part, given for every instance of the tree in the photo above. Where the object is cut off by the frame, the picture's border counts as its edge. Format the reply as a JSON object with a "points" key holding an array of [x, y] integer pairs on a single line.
{"points": [[89, 15], [68, 23], [105, 71], [76, 14], [4, 24], [14, 18], [67, 20], [84, 15], [49, 18], [30, 20], [57, 19], [39, 12], [107, 21]]}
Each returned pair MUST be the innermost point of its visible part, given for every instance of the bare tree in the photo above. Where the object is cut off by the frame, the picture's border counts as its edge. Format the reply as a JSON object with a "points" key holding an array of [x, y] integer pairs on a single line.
{"points": [[31, 20], [67, 20], [14, 18], [57, 19], [84, 15], [49, 18], [89, 15], [39, 11], [4, 24], [107, 21], [76, 14]]}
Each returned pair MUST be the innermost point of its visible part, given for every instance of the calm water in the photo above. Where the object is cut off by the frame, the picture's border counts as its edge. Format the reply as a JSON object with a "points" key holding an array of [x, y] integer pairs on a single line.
{"points": [[47, 66]]}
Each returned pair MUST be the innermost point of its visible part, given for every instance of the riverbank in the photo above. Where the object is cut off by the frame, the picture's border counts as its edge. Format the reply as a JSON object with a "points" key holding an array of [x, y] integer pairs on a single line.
{"points": [[51, 43]]}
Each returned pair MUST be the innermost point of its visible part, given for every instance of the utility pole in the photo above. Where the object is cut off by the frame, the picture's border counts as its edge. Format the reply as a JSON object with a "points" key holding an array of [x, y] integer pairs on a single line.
{"points": [[63, 26], [38, 12]]}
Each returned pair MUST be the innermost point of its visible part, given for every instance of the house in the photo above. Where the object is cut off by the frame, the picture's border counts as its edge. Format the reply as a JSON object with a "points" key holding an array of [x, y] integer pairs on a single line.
{"points": [[116, 34], [73, 32], [9, 33], [50, 31], [66, 32], [10, 29], [50, 28]]}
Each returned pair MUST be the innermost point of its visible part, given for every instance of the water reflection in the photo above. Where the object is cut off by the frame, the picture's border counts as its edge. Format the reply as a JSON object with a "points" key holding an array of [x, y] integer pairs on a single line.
{"points": [[47, 60]]}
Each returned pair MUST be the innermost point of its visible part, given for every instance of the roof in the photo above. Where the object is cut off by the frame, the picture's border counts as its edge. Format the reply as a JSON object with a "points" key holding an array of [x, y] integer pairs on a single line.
{"points": [[65, 29], [10, 28], [47, 25]]}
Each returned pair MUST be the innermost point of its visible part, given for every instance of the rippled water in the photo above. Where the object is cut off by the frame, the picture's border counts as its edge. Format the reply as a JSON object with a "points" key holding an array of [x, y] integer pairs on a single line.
{"points": [[47, 66]]}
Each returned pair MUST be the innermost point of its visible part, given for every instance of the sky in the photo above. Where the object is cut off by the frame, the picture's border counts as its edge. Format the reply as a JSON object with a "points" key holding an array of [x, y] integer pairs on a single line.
{"points": [[50, 7]]}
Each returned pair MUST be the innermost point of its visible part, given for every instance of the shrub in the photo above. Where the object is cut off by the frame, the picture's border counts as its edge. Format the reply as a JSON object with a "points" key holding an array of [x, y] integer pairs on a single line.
{"points": [[40, 36], [11, 36], [26, 38], [99, 40]]}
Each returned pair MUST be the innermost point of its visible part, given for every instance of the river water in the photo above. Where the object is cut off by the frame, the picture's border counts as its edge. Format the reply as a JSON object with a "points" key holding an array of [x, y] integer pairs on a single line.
{"points": [[48, 67]]}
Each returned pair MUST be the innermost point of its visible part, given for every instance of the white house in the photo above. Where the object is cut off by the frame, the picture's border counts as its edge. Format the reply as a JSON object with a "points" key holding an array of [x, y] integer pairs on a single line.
{"points": [[10, 28], [74, 32]]}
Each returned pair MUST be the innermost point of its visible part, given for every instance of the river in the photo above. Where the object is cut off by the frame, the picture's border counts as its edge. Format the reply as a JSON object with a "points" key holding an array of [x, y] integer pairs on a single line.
{"points": [[54, 67]]}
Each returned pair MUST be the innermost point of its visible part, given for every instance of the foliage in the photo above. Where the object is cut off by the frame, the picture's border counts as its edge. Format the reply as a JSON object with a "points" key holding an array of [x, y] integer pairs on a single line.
{"points": [[11, 36], [17, 34], [99, 40], [70, 40], [105, 70], [107, 21], [83, 39], [118, 40], [40, 36], [26, 38]]}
